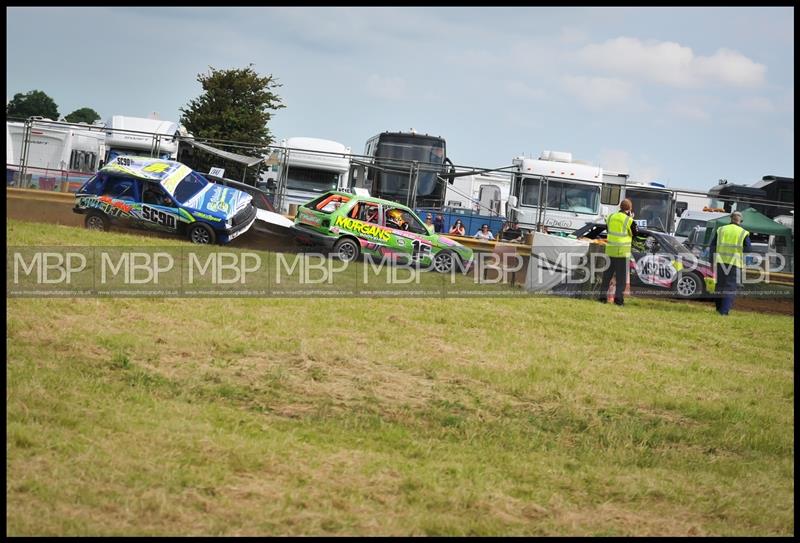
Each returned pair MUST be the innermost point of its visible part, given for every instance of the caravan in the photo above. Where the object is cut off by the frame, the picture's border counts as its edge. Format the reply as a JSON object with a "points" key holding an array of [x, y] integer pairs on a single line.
{"points": [[54, 154], [310, 167]]}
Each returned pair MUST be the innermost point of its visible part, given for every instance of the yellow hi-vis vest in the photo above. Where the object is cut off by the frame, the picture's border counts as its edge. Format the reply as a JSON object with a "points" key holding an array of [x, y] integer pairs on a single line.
{"points": [[729, 244], [619, 235]]}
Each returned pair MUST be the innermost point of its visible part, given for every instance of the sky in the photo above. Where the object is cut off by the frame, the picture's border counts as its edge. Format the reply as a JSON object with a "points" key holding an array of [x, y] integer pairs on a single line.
{"points": [[682, 96]]}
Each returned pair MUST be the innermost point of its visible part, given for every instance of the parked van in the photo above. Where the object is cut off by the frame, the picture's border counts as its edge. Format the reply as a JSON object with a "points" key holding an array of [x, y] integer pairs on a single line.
{"points": [[690, 219]]}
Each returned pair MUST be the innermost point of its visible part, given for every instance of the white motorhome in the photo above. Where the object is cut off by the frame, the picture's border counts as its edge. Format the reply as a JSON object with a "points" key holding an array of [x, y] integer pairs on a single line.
{"points": [[67, 148], [311, 166], [483, 193], [141, 136], [689, 200], [569, 192]]}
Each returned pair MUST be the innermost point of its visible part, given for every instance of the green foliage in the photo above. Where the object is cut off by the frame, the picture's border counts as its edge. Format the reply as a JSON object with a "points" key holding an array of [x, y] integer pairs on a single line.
{"points": [[83, 115], [32, 103], [235, 106]]}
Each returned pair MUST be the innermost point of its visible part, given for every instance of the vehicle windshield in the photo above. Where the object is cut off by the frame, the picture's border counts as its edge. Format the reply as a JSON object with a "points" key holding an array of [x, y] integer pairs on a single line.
{"points": [[311, 179], [429, 153], [685, 226], [189, 186], [675, 245], [561, 195], [652, 206]]}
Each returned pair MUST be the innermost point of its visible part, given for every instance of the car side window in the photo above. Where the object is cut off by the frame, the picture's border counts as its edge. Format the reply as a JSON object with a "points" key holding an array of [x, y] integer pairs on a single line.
{"points": [[155, 194], [121, 188], [94, 185], [402, 219]]}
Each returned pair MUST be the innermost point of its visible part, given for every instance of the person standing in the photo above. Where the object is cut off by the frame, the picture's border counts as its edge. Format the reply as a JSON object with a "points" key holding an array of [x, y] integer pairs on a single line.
{"points": [[621, 231], [438, 222], [729, 243]]}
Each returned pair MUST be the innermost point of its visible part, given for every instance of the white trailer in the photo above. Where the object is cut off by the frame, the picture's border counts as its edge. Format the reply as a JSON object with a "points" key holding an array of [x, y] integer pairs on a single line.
{"points": [[483, 193], [141, 136], [310, 167], [559, 193], [52, 145]]}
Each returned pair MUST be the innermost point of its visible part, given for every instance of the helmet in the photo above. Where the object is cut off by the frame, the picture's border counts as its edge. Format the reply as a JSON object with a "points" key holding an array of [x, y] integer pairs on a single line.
{"points": [[395, 215]]}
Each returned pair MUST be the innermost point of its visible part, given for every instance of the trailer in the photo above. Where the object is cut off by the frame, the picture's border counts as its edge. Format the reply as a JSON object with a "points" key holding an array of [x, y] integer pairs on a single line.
{"points": [[310, 167], [141, 137]]}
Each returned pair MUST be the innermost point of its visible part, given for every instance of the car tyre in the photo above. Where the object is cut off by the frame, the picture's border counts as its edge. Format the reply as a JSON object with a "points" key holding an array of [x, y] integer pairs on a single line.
{"points": [[97, 221], [444, 261], [688, 285], [202, 234], [347, 249]]}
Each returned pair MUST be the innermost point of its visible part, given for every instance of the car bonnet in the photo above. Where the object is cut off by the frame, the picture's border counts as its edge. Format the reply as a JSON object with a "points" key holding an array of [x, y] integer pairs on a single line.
{"points": [[219, 200]]}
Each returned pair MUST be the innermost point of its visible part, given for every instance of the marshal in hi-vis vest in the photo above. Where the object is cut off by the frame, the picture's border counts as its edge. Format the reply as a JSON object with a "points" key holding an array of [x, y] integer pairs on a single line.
{"points": [[619, 235], [729, 244]]}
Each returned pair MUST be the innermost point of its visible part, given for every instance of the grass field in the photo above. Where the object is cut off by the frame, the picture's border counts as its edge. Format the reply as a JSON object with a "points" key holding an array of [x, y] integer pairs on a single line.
{"points": [[392, 416]]}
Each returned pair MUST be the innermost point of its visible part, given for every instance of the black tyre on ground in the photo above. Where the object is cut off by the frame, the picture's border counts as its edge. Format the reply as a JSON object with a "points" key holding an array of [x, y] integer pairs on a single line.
{"points": [[347, 249], [688, 285], [96, 220], [444, 261], [202, 234]]}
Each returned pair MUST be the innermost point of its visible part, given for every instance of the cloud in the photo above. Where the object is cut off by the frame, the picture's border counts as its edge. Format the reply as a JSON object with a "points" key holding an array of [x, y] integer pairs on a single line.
{"points": [[670, 63], [597, 93], [518, 89], [388, 88], [755, 104], [689, 111], [619, 160], [570, 34]]}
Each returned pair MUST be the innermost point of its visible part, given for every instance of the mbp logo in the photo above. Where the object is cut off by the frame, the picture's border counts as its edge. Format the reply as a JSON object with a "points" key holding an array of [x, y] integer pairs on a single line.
{"points": [[49, 268]]}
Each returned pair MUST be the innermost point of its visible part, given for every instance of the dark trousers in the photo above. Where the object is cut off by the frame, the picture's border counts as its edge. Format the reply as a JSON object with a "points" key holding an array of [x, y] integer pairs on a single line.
{"points": [[727, 282], [618, 269]]}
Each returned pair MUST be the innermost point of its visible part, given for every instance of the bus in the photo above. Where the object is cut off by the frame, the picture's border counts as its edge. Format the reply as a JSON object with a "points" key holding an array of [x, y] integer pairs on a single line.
{"points": [[779, 190], [405, 167], [732, 197], [653, 205]]}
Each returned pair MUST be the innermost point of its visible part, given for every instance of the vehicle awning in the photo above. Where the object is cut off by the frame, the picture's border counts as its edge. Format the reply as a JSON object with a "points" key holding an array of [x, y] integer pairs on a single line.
{"points": [[752, 221], [248, 161]]}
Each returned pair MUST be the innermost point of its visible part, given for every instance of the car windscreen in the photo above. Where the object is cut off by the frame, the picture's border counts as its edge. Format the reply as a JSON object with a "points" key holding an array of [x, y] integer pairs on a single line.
{"points": [[189, 186], [676, 246], [685, 226]]}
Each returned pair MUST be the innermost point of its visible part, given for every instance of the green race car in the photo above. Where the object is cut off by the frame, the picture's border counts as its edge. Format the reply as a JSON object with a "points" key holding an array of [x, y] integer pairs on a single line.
{"points": [[351, 225]]}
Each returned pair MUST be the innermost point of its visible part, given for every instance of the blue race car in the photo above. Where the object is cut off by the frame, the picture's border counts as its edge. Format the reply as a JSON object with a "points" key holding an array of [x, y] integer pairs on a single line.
{"points": [[164, 195]]}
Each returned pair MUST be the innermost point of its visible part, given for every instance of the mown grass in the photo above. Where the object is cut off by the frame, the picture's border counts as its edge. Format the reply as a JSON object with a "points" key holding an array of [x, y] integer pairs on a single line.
{"points": [[393, 416]]}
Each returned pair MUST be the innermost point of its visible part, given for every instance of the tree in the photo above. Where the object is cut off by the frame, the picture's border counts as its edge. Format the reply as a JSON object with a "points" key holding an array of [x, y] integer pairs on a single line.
{"points": [[235, 106], [83, 115], [33, 103]]}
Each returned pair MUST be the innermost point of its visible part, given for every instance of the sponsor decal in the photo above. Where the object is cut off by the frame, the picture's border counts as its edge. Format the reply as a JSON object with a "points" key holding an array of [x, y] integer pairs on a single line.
{"points": [[365, 229], [656, 270], [306, 217], [159, 217], [107, 208], [125, 208], [206, 216], [217, 202]]}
